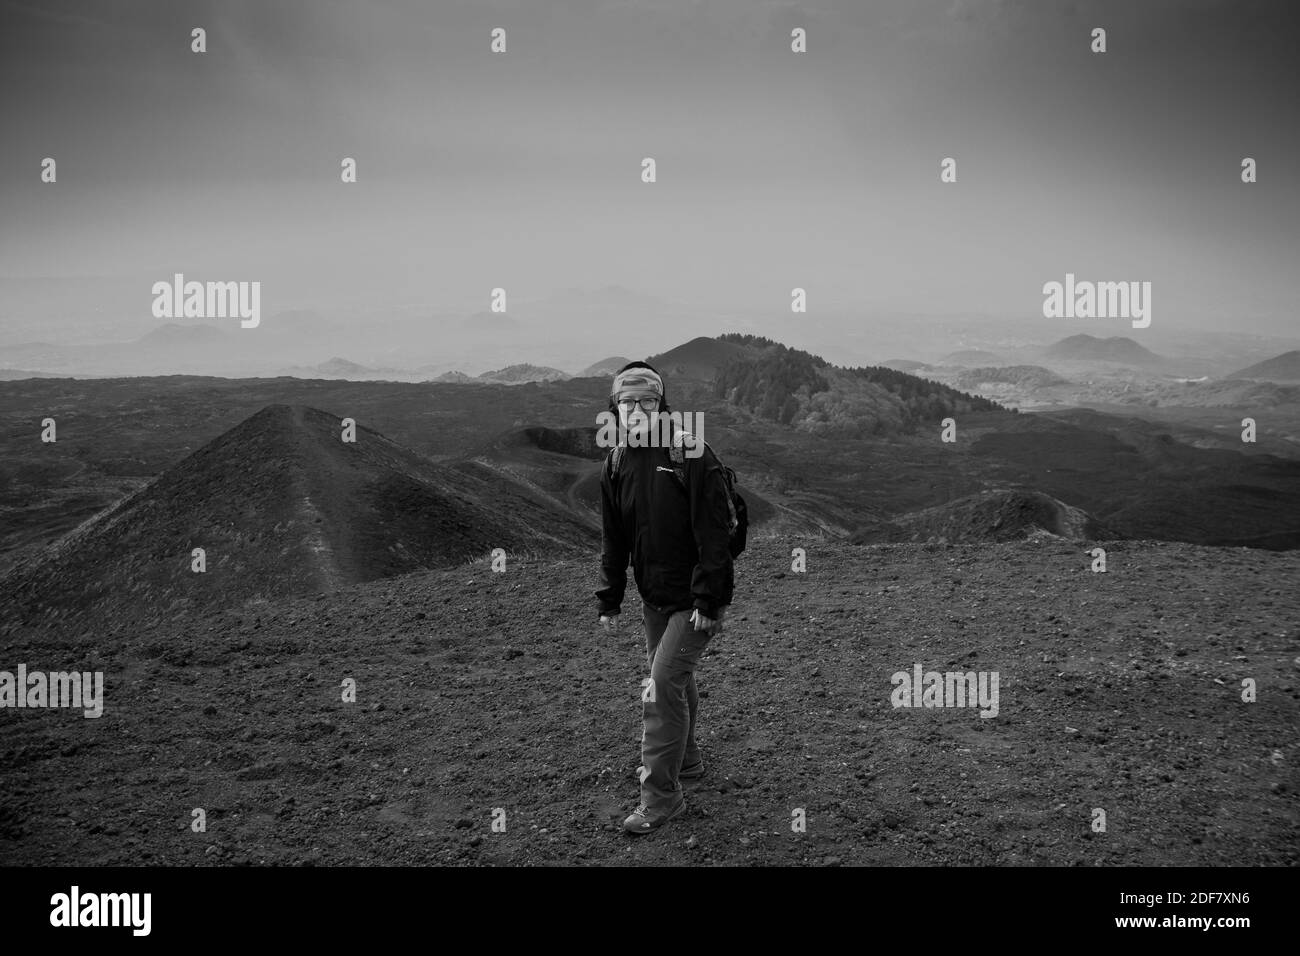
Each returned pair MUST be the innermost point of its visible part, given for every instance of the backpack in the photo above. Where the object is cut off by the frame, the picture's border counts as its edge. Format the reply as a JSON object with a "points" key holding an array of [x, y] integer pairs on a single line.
{"points": [[737, 510]]}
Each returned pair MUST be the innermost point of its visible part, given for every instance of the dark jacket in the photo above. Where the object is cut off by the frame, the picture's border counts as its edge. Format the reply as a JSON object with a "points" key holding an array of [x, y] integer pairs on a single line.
{"points": [[677, 540]]}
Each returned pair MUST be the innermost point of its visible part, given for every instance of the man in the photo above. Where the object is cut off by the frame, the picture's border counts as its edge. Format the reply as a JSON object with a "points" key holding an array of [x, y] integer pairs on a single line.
{"points": [[676, 534]]}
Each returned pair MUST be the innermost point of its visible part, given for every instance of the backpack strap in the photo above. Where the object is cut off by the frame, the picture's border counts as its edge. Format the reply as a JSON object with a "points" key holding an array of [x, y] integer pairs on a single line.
{"points": [[677, 455]]}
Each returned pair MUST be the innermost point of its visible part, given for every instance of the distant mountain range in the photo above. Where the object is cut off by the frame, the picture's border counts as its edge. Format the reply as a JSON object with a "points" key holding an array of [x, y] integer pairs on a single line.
{"points": [[282, 506], [1088, 348], [1281, 368], [1075, 348], [1086, 371], [605, 368], [172, 334], [341, 368], [973, 358], [14, 374], [519, 374], [458, 378], [211, 347]]}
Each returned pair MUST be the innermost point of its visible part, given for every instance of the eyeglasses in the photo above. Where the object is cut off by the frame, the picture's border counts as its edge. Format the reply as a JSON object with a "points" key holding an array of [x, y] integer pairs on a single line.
{"points": [[647, 404]]}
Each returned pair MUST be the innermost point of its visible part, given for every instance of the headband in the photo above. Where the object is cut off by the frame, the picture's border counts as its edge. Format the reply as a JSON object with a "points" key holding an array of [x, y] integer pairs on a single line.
{"points": [[638, 380]]}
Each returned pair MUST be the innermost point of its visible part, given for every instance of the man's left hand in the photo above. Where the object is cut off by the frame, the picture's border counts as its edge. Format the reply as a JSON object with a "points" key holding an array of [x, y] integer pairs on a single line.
{"points": [[708, 624]]}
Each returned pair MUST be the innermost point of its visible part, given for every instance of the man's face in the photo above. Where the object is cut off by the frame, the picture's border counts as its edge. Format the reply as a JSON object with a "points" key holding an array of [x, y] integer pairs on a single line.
{"points": [[635, 411]]}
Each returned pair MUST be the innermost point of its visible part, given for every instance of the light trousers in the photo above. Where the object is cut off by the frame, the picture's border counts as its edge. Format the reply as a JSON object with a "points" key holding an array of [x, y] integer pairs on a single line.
{"points": [[669, 704]]}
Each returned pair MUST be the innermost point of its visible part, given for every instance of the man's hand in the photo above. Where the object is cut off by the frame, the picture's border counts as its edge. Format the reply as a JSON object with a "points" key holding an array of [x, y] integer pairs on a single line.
{"points": [[711, 625], [609, 621]]}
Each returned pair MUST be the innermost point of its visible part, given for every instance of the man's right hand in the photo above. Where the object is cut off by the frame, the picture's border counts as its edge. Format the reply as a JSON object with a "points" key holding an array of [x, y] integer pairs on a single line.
{"points": [[609, 621]]}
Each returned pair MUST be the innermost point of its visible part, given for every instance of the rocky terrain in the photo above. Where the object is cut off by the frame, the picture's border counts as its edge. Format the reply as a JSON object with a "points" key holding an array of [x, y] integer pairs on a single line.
{"points": [[478, 690]]}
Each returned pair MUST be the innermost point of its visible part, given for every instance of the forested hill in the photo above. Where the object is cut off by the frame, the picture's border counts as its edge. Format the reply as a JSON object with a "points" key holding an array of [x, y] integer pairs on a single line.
{"points": [[805, 391]]}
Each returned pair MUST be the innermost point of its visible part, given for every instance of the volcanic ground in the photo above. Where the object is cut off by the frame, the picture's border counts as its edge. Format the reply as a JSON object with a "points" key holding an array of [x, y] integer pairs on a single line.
{"points": [[477, 691]]}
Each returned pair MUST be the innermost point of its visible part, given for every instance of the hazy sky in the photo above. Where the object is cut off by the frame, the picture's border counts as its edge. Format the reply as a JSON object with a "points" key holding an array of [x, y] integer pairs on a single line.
{"points": [[775, 170]]}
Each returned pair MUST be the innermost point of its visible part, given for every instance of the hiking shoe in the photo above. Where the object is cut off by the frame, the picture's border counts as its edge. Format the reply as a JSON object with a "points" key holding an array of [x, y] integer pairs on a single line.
{"points": [[694, 772], [644, 819]]}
